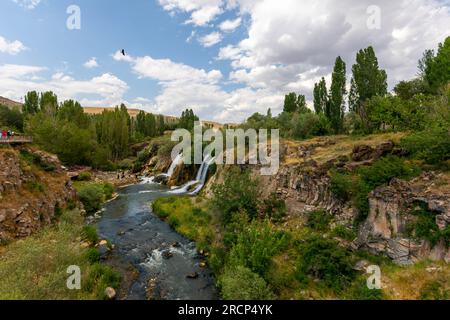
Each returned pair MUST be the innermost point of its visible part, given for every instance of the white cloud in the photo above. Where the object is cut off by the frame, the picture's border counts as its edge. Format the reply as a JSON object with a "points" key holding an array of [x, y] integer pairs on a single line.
{"points": [[289, 46], [28, 4], [202, 11], [165, 70], [11, 47], [210, 39], [105, 90], [230, 25], [91, 63]]}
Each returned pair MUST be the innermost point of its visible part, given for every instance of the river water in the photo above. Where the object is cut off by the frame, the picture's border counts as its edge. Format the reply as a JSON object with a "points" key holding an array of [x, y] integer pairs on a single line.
{"points": [[162, 257]]}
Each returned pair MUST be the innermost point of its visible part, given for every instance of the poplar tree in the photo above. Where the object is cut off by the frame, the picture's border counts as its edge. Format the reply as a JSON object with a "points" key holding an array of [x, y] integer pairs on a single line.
{"points": [[337, 95]]}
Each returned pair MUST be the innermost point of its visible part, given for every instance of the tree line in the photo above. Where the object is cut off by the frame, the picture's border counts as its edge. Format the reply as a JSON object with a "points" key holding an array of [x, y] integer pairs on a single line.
{"points": [[363, 105]]}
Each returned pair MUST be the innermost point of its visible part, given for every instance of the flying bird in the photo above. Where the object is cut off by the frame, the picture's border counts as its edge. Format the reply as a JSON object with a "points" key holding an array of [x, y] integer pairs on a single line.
{"points": [[123, 52]]}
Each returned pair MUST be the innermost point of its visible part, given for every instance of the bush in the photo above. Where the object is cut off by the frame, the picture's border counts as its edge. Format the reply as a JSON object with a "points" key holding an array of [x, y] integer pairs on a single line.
{"points": [[275, 208], [431, 146], [240, 283], [101, 277], [425, 228], [84, 176], [435, 290], [360, 291], [256, 246], [90, 234], [108, 190], [344, 233], [92, 255], [323, 259], [309, 125], [384, 170], [92, 197], [319, 220], [239, 192]]}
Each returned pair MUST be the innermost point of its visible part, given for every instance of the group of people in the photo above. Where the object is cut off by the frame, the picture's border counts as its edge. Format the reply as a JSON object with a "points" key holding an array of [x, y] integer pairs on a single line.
{"points": [[6, 134]]}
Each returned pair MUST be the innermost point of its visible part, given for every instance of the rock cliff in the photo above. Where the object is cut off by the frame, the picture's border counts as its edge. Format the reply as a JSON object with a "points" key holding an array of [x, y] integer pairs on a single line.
{"points": [[33, 190]]}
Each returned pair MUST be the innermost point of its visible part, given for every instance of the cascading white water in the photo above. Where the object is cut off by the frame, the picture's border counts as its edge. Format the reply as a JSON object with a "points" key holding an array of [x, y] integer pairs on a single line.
{"points": [[175, 163], [199, 181]]}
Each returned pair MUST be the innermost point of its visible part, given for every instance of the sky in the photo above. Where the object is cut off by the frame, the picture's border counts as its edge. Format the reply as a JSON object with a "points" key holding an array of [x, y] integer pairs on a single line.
{"points": [[225, 59]]}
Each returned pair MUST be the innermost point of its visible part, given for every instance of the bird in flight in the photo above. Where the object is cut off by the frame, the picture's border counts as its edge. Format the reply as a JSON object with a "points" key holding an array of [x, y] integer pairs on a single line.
{"points": [[123, 52]]}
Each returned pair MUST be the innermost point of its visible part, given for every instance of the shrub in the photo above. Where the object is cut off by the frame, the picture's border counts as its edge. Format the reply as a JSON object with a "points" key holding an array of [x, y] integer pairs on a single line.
{"points": [[384, 170], [90, 234], [425, 227], [101, 277], [435, 290], [323, 259], [92, 255], [92, 197], [256, 246], [309, 125], [275, 208], [360, 291], [239, 192], [84, 176], [431, 146], [319, 220], [344, 233], [108, 190], [240, 283]]}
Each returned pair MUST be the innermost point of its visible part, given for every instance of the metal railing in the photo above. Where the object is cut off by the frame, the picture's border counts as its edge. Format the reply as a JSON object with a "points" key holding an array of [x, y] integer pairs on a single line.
{"points": [[16, 139]]}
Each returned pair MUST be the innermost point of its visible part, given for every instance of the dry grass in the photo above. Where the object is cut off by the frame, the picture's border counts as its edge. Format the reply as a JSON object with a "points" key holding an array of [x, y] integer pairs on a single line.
{"points": [[35, 268], [332, 147], [407, 283]]}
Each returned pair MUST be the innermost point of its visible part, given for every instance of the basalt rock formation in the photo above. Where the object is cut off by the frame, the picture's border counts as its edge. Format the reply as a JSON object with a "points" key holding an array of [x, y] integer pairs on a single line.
{"points": [[33, 191], [305, 186]]}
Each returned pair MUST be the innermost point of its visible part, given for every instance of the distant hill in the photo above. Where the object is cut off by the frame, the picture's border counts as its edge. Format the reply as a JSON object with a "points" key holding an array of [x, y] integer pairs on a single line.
{"points": [[135, 112], [10, 103], [98, 110]]}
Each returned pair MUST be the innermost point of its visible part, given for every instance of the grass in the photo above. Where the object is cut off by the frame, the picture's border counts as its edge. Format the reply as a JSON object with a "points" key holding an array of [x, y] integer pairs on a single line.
{"points": [[187, 219], [35, 268]]}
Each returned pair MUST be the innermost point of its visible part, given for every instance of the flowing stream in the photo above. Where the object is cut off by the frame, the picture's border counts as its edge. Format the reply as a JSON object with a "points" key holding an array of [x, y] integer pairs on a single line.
{"points": [[167, 263]]}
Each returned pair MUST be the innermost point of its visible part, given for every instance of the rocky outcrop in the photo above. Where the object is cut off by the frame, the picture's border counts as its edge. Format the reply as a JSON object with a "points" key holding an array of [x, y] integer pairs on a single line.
{"points": [[32, 193], [385, 230], [306, 187]]}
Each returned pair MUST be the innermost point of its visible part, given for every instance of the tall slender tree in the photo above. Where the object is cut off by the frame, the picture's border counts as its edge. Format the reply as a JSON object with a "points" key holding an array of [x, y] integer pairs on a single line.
{"points": [[31, 105], [321, 97], [337, 95], [368, 81]]}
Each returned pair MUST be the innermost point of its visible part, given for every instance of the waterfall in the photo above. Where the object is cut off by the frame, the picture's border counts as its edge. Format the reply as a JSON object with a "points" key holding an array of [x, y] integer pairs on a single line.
{"points": [[174, 165], [199, 181]]}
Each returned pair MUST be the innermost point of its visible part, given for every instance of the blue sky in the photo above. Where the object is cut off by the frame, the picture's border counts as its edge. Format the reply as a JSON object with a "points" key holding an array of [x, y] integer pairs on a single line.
{"points": [[226, 59]]}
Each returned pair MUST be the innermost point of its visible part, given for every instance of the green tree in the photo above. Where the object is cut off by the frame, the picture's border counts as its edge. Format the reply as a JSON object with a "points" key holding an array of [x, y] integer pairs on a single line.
{"points": [[368, 81], [290, 103], [188, 119], [48, 103], [321, 97], [437, 73], [31, 105], [337, 94]]}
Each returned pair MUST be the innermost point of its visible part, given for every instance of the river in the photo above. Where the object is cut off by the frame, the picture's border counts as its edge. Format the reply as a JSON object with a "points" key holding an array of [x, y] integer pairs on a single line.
{"points": [[162, 258]]}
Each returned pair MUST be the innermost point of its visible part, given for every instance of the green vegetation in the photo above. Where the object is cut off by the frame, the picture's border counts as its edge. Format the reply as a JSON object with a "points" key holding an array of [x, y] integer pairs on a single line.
{"points": [[319, 220], [357, 185], [241, 283], [185, 218], [12, 119], [92, 195], [239, 193], [35, 268], [425, 228]]}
